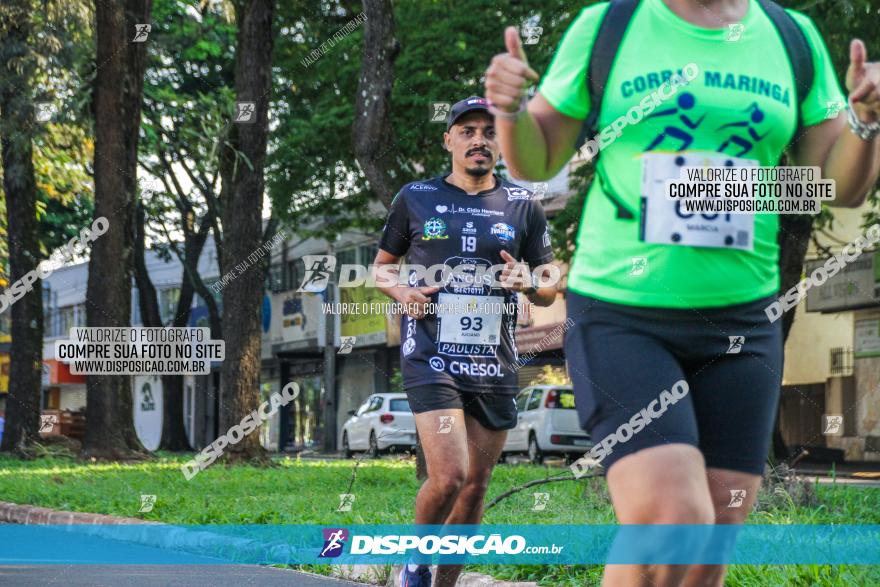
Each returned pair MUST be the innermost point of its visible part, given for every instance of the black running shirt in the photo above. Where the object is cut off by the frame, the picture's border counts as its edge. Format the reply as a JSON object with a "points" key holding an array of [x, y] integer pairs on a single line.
{"points": [[471, 344]]}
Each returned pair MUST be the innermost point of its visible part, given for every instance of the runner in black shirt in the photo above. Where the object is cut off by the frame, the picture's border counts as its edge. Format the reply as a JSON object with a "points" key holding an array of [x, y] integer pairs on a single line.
{"points": [[459, 357]]}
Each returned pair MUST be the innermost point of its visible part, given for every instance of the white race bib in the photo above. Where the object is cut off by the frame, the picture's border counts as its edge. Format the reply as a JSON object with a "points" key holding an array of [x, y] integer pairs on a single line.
{"points": [[468, 319], [666, 222]]}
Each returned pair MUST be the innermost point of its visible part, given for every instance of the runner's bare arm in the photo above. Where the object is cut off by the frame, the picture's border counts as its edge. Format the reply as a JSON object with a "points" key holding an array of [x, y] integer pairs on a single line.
{"points": [[543, 296], [540, 142], [853, 163]]}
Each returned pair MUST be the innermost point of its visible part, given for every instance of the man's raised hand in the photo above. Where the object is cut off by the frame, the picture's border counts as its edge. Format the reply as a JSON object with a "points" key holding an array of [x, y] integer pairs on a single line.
{"points": [[509, 74]]}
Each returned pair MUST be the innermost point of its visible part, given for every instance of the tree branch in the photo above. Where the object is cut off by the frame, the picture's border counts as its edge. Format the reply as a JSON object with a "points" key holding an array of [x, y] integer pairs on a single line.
{"points": [[533, 483]]}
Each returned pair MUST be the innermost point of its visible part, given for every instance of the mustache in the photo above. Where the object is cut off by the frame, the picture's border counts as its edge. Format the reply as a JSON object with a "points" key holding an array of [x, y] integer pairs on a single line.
{"points": [[480, 151]]}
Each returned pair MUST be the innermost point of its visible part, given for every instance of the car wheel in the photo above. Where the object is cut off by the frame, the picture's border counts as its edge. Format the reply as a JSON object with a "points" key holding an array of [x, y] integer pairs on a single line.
{"points": [[373, 451], [502, 458], [346, 448], [535, 454]]}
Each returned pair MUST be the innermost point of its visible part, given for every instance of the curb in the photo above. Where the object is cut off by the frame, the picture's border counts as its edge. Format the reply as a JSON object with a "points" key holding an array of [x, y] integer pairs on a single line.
{"points": [[14, 513], [171, 537]]}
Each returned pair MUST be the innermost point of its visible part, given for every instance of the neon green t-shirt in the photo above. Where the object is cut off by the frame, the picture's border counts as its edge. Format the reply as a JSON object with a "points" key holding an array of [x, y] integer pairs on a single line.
{"points": [[742, 103]]}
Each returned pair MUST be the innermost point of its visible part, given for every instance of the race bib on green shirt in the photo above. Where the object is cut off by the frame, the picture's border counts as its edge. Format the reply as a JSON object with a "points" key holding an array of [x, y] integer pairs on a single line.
{"points": [[741, 104], [667, 222]]}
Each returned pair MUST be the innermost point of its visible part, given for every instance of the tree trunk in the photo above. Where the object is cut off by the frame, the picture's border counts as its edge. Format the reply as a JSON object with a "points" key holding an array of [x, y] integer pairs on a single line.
{"points": [[117, 104], [16, 131], [242, 228], [372, 134], [148, 300], [794, 238], [174, 436]]}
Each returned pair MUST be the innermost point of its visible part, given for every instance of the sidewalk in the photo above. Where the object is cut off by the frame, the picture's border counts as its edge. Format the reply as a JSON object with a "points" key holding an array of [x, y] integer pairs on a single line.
{"points": [[166, 562], [868, 469], [165, 575]]}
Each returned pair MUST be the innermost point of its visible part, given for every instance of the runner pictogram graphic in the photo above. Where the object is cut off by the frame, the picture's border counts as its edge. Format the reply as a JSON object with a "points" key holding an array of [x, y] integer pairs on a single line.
{"points": [[685, 102], [756, 117]]}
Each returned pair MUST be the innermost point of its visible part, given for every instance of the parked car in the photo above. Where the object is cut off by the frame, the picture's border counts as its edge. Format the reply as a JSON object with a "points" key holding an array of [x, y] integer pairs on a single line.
{"points": [[383, 421], [547, 424]]}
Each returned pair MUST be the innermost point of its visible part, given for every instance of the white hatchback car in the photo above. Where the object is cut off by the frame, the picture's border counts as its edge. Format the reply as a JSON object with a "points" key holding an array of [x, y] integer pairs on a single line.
{"points": [[547, 423], [383, 421]]}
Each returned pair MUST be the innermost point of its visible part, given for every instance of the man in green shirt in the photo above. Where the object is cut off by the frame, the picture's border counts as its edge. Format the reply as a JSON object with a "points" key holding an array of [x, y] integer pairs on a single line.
{"points": [[676, 367]]}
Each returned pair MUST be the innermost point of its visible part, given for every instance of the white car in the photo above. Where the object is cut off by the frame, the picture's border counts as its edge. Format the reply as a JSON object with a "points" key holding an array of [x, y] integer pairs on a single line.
{"points": [[383, 421], [547, 423]]}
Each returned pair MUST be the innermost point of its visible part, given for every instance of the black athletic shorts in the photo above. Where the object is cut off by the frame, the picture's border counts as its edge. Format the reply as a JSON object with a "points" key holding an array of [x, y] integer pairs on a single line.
{"points": [[493, 411], [623, 358]]}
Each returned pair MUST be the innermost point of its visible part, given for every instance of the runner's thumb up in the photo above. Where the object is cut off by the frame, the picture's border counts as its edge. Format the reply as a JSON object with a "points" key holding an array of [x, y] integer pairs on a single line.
{"points": [[514, 44], [858, 54]]}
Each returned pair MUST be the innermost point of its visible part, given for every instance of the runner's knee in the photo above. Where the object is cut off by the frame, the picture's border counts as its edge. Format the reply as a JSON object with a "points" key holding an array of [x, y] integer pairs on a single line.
{"points": [[674, 509], [448, 480], [477, 485]]}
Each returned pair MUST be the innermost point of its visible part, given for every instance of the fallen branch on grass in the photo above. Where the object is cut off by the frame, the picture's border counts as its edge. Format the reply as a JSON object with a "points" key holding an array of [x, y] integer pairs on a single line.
{"points": [[535, 482]]}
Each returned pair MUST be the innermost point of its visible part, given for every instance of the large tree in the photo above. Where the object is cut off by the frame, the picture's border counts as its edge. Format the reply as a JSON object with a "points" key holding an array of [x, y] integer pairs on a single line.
{"points": [[47, 179], [120, 64], [19, 184], [242, 223], [188, 94]]}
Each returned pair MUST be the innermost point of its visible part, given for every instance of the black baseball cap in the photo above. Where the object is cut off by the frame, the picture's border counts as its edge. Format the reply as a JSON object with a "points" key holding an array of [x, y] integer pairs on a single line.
{"points": [[472, 104]]}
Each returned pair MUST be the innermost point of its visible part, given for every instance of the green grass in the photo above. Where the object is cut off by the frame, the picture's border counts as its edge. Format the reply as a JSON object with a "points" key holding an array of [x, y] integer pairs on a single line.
{"points": [[306, 492]]}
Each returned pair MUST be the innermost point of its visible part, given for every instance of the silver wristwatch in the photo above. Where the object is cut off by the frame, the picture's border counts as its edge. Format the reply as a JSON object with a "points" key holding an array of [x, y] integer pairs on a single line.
{"points": [[534, 287], [863, 130]]}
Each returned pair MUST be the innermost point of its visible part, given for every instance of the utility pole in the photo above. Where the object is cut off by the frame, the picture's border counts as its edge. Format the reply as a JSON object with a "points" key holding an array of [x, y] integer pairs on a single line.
{"points": [[330, 392]]}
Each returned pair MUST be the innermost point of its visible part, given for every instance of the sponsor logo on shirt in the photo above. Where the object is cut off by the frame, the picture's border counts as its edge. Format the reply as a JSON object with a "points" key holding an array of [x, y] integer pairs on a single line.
{"points": [[476, 211], [440, 208], [475, 369], [422, 187], [437, 364], [517, 194], [503, 232], [546, 239], [434, 229], [452, 349], [469, 276], [408, 347], [468, 228]]}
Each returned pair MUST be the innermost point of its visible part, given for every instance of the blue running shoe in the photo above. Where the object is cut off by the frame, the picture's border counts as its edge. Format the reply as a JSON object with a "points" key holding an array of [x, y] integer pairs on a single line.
{"points": [[417, 578]]}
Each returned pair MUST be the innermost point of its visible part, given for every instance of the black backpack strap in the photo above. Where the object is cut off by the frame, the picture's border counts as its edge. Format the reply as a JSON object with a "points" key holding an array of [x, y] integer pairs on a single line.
{"points": [[799, 53], [605, 45]]}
